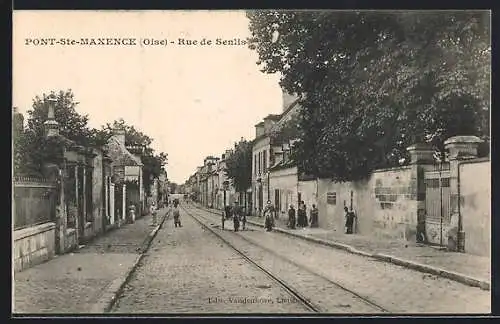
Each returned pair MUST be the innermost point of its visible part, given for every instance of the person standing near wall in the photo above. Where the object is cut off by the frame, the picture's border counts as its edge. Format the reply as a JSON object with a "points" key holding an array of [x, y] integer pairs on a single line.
{"points": [[291, 217], [349, 223], [313, 219]]}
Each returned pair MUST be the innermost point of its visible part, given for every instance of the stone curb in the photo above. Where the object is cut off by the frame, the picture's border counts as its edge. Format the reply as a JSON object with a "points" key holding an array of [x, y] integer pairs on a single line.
{"points": [[108, 299], [455, 276]]}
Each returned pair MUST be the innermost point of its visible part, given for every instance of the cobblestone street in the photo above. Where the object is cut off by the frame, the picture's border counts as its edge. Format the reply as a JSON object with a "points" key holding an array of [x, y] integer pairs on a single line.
{"points": [[398, 289], [188, 270]]}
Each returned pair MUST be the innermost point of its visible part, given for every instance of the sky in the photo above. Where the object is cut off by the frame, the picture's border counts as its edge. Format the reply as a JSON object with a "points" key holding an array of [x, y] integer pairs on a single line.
{"points": [[194, 101]]}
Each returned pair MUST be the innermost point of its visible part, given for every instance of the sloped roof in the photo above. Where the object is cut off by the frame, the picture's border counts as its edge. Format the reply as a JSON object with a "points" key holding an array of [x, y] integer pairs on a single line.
{"points": [[120, 155]]}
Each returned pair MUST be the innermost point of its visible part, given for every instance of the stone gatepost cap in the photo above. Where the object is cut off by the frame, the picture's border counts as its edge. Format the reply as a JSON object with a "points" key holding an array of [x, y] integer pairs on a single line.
{"points": [[463, 139], [420, 147]]}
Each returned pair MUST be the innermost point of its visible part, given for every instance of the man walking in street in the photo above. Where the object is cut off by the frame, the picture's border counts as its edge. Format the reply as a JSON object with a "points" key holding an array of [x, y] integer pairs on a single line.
{"points": [[236, 216]]}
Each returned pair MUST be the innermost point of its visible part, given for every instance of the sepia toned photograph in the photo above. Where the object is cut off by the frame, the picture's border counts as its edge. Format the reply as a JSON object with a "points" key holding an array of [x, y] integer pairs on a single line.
{"points": [[251, 162]]}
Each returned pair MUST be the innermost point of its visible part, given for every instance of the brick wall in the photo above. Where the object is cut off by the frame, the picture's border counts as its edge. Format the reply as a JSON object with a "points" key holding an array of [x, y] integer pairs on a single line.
{"points": [[33, 245]]}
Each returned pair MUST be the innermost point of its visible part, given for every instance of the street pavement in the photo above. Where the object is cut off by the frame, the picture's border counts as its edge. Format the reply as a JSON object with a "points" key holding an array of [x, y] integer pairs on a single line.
{"points": [[462, 263], [75, 282], [189, 270], [396, 288]]}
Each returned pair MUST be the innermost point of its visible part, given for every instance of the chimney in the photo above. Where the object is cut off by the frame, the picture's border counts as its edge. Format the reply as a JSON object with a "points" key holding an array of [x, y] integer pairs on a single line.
{"points": [[259, 129], [51, 125], [269, 122], [119, 134]]}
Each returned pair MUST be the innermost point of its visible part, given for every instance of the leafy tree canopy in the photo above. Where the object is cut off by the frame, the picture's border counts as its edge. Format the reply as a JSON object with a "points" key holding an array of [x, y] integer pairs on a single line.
{"points": [[31, 147], [239, 166], [374, 83]]}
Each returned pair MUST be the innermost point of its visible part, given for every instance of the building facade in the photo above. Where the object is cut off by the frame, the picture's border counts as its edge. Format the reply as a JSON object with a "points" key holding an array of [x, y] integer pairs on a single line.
{"points": [[268, 156]]}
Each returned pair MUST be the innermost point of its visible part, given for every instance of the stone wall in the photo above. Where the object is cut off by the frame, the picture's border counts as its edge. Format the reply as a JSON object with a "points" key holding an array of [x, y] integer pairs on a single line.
{"points": [[308, 193], [284, 180], [33, 245], [70, 240], [475, 205], [385, 204]]}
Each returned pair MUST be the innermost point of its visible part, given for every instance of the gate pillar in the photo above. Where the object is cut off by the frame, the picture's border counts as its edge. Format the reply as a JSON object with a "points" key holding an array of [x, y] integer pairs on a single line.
{"points": [[421, 157], [460, 148]]}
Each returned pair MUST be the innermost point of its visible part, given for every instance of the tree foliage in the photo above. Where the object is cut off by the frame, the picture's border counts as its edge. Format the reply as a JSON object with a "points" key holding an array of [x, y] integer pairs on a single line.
{"points": [[33, 149], [287, 131], [239, 166], [374, 83]]}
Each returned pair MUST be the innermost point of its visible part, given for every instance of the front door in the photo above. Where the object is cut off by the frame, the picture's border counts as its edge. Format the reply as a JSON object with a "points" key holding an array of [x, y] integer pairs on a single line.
{"points": [[437, 205]]}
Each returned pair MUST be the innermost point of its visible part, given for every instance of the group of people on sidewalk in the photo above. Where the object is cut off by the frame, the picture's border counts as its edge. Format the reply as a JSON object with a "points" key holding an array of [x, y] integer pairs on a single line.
{"points": [[299, 218], [295, 218]]}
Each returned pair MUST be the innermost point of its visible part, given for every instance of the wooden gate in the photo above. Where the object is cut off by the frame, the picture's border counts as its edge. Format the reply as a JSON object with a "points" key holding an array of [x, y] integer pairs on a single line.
{"points": [[437, 204]]}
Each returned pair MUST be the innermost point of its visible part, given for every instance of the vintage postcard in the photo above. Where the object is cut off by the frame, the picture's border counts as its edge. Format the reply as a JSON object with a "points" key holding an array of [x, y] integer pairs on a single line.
{"points": [[250, 162]]}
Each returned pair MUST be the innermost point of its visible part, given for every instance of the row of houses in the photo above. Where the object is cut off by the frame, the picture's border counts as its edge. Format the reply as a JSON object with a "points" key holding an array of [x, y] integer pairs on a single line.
{"points": [[432, 202], [209, 185], [84, 193]]}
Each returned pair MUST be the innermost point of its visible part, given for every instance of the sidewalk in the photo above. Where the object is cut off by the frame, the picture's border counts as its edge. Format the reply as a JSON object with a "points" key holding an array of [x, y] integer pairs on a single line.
{"points": [[469, 269], [88, 280]]}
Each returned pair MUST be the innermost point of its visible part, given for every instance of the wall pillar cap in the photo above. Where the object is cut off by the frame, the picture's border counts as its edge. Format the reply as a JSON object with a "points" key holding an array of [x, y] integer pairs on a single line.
{"points": [[420, 147], [462, 147], [463, 140]]}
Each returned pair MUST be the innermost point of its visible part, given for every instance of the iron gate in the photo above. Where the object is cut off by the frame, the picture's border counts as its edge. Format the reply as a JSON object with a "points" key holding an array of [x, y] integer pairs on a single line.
{"points": [[437, 204]]}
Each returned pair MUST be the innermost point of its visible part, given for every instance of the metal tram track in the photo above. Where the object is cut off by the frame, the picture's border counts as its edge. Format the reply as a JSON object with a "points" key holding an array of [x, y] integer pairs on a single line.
{"points": [[288, 287], [305, 301]]}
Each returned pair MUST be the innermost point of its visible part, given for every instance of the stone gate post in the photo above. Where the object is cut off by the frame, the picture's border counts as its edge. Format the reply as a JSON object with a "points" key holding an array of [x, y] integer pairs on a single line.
{"points": [[421, 157], [460, 148]]}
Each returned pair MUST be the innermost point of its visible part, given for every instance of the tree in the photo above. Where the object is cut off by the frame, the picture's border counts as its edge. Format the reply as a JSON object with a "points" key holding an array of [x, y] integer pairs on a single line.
{"points": [[286, 132], [239, 166], [33, 148], [374, 83]]}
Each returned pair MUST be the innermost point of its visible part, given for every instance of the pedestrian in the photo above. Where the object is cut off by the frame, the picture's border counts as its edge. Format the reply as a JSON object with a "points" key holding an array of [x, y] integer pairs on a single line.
{"points": [[236, 217], [291, 217], [349, 223], [177, 216], [243, 217], [269, 217], [313, 219], [300, 214], [223, 217]]}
